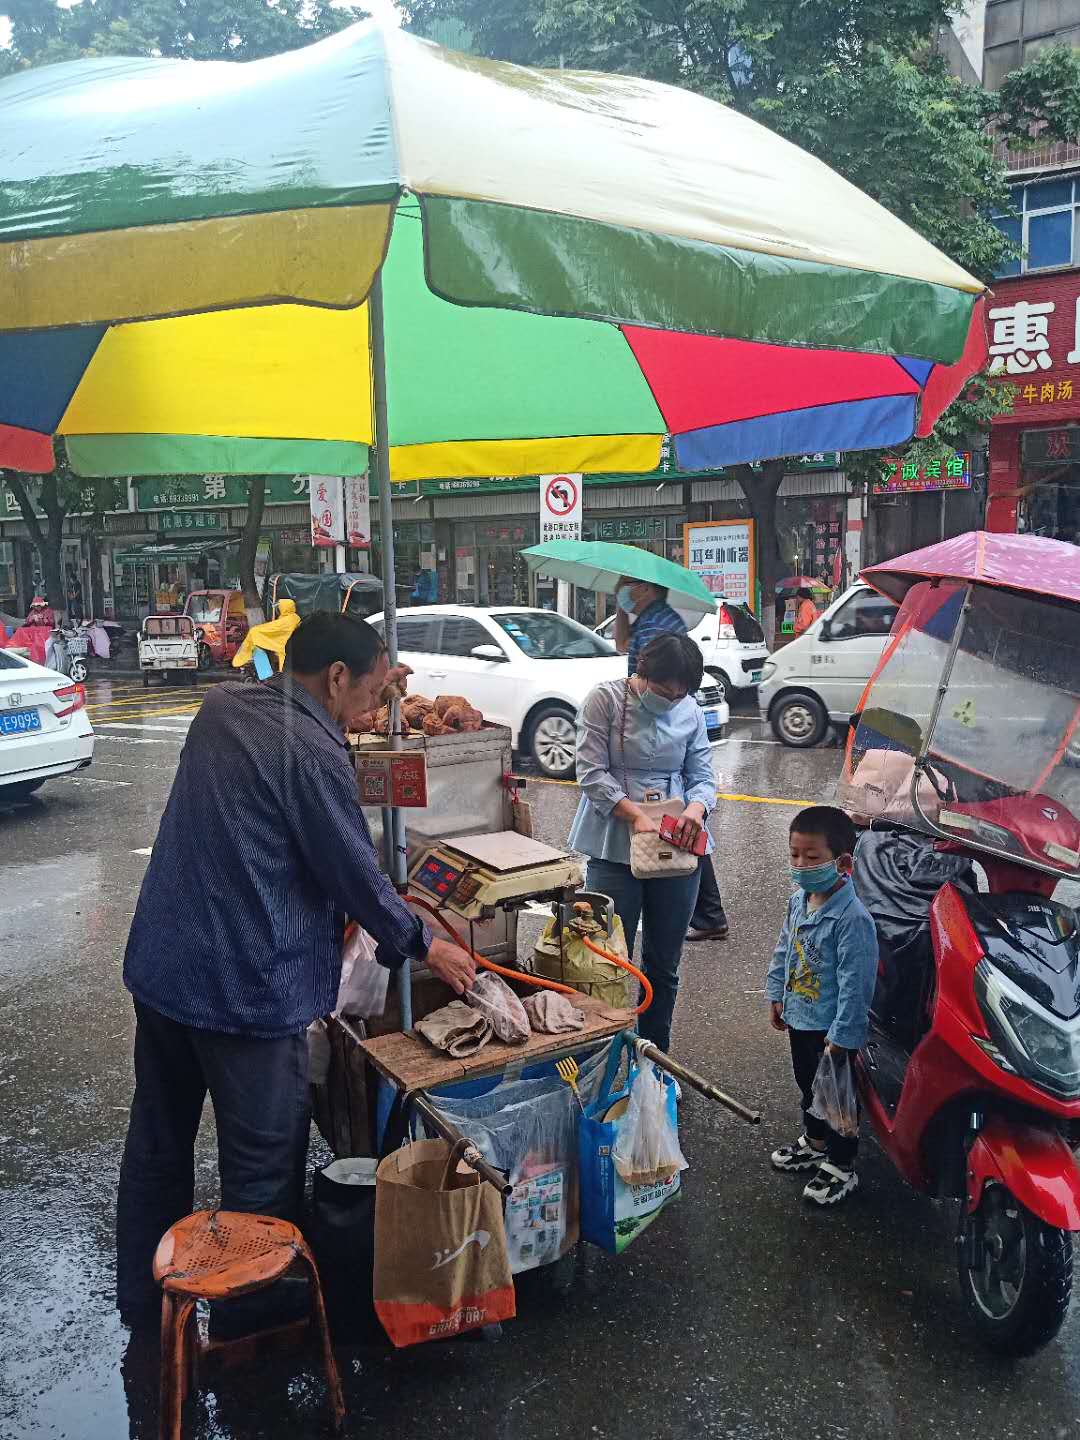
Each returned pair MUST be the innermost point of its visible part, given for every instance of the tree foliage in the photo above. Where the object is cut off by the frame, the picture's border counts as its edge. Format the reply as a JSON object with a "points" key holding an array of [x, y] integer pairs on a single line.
{"points": [[857, 83], [43, 32]]}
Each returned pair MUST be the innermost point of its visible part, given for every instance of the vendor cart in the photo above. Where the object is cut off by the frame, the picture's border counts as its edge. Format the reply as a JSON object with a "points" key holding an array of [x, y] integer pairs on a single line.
{"points": [[473, 870]]}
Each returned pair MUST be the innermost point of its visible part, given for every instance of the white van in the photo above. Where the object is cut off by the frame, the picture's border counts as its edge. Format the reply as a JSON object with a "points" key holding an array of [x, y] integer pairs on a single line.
{"points": [[818, 679]]}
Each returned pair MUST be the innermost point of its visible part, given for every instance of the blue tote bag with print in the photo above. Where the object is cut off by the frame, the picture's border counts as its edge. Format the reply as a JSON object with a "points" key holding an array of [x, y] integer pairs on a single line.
{"points": [[612, 1212]]}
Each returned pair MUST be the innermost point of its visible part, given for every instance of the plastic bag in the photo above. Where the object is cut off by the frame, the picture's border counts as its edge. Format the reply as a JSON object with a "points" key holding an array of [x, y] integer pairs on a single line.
{"points": [[646, 1149], [613, 1214], [835, 1100], [528, 1128], [494, 999], [364, 982]]}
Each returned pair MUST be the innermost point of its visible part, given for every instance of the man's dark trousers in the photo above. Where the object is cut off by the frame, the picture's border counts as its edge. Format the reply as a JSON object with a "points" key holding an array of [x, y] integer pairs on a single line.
{"points": [[259, 1090]]}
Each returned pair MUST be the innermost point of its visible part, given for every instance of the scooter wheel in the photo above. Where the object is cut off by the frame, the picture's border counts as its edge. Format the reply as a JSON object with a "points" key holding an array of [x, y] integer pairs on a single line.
{"points": [[1015, 1273], [78, 671]]}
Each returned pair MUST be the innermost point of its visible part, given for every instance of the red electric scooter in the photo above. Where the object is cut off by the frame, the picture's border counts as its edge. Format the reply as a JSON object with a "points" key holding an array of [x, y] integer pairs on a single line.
{"points": [[965, 759]]}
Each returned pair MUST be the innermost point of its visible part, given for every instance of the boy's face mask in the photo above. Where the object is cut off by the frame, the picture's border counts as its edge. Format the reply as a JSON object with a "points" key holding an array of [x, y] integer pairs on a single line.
{"points": [[815, 879]]}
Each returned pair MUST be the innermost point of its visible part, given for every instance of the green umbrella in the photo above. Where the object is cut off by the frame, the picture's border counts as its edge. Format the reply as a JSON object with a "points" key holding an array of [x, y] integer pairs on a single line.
{"points": [[597, 565]]}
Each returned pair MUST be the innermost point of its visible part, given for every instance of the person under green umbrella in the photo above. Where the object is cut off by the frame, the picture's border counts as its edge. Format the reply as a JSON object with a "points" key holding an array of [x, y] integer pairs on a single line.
{"points": [[654, 616]]}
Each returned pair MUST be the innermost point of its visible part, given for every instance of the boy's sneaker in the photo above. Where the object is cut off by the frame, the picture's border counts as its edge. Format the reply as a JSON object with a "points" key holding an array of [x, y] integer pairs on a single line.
{"points": [[800, 1156], [831, 1184]]}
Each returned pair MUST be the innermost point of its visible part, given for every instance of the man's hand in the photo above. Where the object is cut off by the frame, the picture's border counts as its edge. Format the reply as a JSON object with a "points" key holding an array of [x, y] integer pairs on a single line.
{"points": [[836, 1050], [776, 1015], [452, 964], [688, 826]]}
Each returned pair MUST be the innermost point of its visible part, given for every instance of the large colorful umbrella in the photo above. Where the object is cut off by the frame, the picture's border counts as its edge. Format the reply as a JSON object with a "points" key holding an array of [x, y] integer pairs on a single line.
{"points": [[575, 265]]}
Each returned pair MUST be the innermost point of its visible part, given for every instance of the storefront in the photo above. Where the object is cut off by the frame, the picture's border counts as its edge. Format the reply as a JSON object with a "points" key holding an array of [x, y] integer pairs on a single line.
{"points": [[1034, 482]]}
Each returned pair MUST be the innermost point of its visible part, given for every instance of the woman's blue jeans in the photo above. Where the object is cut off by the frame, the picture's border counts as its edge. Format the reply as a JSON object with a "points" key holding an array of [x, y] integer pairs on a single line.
{"points": [[663, 908]]}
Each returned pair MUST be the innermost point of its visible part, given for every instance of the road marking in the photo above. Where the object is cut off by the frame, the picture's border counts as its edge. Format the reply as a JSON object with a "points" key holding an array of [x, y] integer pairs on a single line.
{"points": [[92, 780], [133, 722], [146, 850], [760, 799], [132, 739], [146, 725], [181, 697]]}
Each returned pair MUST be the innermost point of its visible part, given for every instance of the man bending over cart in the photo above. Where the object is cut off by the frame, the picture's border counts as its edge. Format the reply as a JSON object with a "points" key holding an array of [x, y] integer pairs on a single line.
{"points": [[235, 945]]}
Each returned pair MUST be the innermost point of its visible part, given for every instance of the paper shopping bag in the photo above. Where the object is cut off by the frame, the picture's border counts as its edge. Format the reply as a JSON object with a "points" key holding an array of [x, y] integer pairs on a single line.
{"points": [[441, 1265]]}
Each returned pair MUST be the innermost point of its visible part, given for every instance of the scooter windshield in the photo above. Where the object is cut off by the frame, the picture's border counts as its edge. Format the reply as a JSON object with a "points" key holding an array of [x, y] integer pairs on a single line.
{"points": [[971, 730]]}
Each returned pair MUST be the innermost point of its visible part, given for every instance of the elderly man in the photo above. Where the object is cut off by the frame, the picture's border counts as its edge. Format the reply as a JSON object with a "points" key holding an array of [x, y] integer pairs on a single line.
{"points": [[652, 616], [235, 945]]}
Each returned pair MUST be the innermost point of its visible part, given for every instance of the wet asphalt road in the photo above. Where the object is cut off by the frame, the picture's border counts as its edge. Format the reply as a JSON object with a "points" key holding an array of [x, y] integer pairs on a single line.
{"points": [[740, 1314]]}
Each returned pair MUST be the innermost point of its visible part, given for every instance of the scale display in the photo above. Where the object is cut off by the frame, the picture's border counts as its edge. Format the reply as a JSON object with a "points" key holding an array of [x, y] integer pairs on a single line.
{"points": [[437, 877]]}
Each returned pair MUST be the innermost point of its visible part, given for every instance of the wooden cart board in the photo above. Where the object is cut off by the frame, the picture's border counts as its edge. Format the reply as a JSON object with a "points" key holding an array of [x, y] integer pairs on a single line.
{"points": [[410, 1063]]}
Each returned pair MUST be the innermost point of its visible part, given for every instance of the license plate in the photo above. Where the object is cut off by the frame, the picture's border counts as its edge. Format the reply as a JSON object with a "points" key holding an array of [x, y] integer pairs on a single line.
{"points": [[19, 722], [712, 719]]}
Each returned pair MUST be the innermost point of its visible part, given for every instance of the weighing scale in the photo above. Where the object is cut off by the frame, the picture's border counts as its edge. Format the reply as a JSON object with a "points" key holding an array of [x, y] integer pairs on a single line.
{"points": [[475, 875]]}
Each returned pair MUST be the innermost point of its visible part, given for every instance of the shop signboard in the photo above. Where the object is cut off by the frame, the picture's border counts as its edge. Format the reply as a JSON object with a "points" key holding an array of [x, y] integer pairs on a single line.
{"points": [[327, 498], [722, 553], [560, 507], [357, 512], [165, 492], [189, 520], [1034, 332], [1041, 448], [903, 477]]}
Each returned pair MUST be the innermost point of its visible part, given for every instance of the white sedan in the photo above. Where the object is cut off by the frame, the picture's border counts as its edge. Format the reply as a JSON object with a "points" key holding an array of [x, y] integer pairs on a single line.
{"points": [[44, 728], [524, 668], [731, 640]]}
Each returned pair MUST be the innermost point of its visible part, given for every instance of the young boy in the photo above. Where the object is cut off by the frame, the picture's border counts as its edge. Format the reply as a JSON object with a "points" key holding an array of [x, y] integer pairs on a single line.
{"points": [[820, 985]]}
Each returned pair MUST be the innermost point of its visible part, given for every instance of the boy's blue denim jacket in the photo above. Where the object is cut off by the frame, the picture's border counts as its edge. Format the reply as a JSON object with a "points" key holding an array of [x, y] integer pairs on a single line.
{"points": [[824, 967]]}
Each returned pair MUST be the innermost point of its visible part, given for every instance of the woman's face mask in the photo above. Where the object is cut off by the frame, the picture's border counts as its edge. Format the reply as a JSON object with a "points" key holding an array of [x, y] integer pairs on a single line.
{"points": [[657, 704]]}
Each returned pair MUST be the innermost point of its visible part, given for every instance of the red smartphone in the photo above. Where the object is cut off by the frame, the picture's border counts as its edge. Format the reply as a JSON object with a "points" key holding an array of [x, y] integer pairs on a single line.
{"points": [[667, 832]]}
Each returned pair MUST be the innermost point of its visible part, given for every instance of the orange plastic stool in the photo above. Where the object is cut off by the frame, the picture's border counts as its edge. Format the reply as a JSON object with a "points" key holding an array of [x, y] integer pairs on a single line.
{"points": [[218, 1255]]}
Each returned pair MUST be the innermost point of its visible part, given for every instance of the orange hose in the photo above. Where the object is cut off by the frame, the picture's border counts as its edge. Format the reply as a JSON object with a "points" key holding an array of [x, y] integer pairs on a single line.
{"points": [[625, 965], [536, 980]]}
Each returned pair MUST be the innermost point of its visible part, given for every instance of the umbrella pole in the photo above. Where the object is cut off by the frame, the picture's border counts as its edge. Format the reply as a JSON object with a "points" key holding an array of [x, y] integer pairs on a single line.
{"points": [[393, 820]]}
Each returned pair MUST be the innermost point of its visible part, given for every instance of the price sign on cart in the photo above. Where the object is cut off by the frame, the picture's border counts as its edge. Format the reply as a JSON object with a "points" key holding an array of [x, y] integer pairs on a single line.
{"points": [[560, 507]]}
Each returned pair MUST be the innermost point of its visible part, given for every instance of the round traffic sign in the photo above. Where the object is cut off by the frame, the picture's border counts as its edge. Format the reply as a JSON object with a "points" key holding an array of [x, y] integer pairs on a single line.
{"points": [[561, 495]]}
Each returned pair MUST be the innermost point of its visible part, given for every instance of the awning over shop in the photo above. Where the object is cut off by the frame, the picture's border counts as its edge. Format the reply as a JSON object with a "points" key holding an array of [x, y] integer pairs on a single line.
{"points": [[151, 554]]}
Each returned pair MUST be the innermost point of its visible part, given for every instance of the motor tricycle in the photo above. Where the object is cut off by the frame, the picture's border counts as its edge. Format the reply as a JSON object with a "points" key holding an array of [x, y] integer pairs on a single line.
{"points": [[169, 645], [964, 759], [222, 618]]}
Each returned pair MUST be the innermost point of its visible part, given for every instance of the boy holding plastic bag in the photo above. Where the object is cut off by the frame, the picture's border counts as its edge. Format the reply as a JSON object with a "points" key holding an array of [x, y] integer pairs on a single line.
{"points": [[820, 986]]}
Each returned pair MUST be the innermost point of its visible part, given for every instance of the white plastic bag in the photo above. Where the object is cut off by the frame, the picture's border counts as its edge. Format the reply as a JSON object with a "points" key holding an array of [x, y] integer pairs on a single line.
{"points": [[646, 1149], [364, 982], [835, 1100], [494, 999]]}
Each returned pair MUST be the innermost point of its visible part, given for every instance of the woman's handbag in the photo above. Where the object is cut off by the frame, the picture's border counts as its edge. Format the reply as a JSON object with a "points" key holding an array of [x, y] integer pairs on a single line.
{"points": [[651, 856], [654, 858]]}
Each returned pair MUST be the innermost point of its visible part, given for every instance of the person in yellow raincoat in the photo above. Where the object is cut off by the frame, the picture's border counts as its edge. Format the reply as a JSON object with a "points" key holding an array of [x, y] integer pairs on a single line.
{"points": [[271, 635]]}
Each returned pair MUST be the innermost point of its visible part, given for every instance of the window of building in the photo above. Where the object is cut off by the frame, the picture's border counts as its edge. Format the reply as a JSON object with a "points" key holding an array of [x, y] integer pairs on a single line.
{"points": [[1046, 226], [1016, 31]]}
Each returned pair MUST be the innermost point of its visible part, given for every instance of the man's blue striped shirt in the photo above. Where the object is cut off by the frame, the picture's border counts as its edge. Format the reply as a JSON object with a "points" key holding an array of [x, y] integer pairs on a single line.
{"points": [[262, 852]]}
